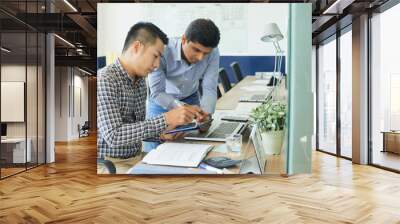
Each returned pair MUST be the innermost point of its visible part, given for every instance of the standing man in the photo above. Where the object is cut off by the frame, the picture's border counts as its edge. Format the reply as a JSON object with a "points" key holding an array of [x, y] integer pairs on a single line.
{"points": [[185, 62], [121, 96]]}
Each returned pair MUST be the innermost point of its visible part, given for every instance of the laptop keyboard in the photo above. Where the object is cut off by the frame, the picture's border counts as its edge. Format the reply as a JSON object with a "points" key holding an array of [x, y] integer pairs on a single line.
{"points": [[258, 97], [223, 129]]}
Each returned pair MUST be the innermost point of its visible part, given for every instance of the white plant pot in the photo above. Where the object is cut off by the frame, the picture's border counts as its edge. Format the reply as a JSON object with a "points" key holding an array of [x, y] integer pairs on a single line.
{"points": [[272, 142]]}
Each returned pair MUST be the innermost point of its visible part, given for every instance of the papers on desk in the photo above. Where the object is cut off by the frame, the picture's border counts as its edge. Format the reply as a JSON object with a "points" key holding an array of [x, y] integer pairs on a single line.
{"points": [[142, 168], [261, 82], [255, 88], [245, 108], [177, 154]]}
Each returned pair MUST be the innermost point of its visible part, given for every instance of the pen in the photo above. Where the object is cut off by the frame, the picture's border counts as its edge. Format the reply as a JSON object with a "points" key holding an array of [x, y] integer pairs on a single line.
{"points": [[210, 168]]}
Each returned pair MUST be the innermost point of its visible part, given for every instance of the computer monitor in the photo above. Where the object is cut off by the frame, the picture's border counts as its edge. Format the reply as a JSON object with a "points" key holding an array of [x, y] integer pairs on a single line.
{"points": [[3, 129]]}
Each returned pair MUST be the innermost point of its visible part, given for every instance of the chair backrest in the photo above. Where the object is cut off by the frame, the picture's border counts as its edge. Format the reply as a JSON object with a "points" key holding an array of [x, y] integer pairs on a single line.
{"points": [[223, 77], [86, 126], [108, 164], [236, 70], [219, 94]]}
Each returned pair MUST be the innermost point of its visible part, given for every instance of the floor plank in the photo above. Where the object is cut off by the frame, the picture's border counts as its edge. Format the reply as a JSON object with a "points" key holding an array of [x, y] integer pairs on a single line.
{"points": [[69, 191]]}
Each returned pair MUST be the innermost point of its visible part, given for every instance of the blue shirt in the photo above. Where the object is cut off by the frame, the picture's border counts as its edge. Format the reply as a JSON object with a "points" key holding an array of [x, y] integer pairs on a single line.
{"points": [[175, 79]]}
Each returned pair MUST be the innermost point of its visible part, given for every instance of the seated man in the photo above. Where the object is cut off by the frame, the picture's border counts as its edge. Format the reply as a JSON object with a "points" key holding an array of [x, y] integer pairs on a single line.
{"points": [[121, 95], [185, 62]]}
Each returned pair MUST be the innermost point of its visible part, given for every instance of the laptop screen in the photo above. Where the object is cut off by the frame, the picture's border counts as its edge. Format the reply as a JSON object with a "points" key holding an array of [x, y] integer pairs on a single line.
{"points": [[255, 136]]}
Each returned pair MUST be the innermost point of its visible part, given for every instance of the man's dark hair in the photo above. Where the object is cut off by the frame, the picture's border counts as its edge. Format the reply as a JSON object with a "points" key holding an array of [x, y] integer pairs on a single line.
{"points": [[145, 33], [204, 32]]}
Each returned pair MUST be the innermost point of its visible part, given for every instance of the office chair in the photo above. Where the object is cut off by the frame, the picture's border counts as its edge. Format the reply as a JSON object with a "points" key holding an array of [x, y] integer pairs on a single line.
{"points": [[236, 70], [108, 164], [223, 77], [84, 130], [219, 94]]}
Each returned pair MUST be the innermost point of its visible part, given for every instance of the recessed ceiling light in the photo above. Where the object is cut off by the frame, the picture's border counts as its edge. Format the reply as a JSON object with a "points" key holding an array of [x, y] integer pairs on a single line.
{"points": [[64, 40], [5, 50], [70, 5]]}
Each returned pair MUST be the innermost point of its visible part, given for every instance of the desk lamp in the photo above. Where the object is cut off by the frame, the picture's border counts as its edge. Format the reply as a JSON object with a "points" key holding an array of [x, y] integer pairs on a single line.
{"points": [[274, 35]]}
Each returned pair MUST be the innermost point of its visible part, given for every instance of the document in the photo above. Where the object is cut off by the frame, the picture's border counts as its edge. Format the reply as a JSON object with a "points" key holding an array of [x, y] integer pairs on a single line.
{"points": [[142, 168], [261, 82], [177, 154], [255, 88], [246, 107]]}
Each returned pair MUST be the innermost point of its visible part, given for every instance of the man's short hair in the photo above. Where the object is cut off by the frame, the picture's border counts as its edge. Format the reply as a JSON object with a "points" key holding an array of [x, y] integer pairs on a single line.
{"points": [[204, 32], [145, 33]]}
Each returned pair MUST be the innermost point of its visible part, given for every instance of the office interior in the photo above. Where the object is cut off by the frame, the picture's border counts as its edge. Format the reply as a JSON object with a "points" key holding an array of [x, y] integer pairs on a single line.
{"points": [[253, 57], [49, 62]]}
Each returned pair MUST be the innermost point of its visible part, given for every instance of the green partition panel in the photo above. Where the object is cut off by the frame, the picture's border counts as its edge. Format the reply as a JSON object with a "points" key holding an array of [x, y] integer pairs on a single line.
{"points": [[300, 117]]}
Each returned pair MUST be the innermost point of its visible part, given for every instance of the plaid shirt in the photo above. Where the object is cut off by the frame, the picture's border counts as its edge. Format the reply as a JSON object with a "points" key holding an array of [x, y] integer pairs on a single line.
{"points": [[121, 105]]}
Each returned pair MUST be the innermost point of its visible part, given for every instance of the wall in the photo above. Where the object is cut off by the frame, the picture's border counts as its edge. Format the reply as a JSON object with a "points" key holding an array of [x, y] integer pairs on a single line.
{"points": [[240, 24], [71, 102], [33, 127]]}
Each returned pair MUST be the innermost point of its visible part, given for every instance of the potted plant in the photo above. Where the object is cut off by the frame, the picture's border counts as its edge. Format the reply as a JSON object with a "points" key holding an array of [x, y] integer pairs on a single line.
{"points": [[270, 120]]}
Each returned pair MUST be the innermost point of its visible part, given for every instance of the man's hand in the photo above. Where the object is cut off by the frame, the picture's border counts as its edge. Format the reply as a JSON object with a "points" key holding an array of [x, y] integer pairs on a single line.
{"points": [[171, 137], [182, 115], [201, 115]]}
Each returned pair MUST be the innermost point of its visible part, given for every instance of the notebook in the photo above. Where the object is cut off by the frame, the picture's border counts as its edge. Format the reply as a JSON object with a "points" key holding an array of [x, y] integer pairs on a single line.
{"points": [[177, 154]]}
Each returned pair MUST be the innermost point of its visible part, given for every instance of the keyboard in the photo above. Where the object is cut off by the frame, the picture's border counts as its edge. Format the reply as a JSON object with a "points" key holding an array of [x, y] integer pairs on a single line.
{"points": [[223, 129], [253, 98], [258, 97]]}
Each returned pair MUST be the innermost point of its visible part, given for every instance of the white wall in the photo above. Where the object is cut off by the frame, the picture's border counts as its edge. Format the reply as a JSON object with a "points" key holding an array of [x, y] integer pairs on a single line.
{"points": [[241, 25], [67, 114]]}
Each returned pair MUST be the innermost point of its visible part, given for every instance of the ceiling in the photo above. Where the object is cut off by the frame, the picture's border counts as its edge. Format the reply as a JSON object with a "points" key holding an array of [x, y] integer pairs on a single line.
{"points": [[76, 21]]}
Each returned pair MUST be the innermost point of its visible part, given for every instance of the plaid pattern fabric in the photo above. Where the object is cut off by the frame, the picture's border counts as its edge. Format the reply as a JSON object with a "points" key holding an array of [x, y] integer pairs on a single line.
{"points": [[121, 107]]}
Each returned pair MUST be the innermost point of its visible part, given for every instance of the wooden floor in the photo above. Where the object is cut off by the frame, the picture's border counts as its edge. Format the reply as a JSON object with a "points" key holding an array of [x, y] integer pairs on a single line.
{"points": [[69, 191], [387, 159]]}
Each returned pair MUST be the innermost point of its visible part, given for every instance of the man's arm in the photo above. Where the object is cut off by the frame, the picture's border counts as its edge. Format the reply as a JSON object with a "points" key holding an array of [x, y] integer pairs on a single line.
{"points": [[210, 83], [113, 130], [157, 87]]}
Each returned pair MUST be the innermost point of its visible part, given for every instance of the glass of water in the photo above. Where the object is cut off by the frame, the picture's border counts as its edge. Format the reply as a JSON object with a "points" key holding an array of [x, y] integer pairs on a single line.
{"points": [[234, 143]]}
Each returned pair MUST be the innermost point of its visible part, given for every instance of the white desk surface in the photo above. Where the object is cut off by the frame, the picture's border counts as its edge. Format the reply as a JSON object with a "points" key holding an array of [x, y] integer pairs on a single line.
{"points": [[13, 140], [275, 163]]}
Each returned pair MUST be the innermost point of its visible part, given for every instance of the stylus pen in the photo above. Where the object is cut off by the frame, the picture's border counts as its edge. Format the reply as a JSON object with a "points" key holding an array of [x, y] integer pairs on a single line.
{"points": [[210, 168]]}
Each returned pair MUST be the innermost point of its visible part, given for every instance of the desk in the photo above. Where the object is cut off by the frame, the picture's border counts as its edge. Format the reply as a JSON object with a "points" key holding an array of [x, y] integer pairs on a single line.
{"points": [[229, 100], [13, 150], [391, 141], [275, 164]]}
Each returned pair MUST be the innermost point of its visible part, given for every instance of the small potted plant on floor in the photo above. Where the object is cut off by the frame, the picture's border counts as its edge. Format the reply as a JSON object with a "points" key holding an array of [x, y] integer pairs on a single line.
{"points": [[270, 120]]}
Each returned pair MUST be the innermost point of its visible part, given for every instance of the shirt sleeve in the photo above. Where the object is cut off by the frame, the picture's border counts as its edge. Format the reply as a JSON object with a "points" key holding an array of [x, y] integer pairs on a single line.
{"points": [[210, 83], [157, 84], [112, 128]]}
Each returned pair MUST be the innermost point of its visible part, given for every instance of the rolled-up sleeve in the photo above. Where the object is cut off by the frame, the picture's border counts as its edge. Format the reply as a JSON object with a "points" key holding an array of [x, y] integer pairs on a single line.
{"points": [[110, 123], [210, 83]]}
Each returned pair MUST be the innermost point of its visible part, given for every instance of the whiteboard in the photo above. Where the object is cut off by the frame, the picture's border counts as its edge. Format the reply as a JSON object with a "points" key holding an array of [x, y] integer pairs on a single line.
{"points": [[12, 101], [241, 24]]}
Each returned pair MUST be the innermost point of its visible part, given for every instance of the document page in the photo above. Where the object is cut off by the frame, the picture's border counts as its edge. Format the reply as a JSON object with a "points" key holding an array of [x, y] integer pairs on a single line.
{"points": [[177, 154]]}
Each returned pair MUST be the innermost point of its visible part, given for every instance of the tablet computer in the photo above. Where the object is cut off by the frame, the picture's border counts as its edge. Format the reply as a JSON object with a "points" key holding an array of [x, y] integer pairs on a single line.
{"points": [[189, 127]]}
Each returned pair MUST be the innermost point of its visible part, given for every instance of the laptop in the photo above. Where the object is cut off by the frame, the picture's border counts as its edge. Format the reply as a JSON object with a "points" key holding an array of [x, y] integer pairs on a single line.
{"points": [[257, 98], [256, 163], [218, 131]]}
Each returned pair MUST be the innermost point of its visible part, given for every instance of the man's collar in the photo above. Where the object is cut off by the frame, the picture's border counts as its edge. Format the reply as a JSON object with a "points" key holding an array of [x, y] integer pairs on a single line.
{"points": [[177, 52], [124, 72]]}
